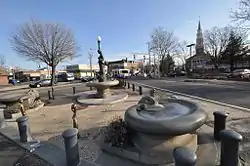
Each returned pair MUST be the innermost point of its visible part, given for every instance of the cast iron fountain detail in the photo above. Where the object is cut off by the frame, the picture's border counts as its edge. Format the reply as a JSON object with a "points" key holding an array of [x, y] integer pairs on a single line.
{"points": [[102, 94]]}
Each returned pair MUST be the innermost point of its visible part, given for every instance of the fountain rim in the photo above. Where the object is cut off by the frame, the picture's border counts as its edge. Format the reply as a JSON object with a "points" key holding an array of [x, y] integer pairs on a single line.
{"points": [[177, 126], [103, 84]]}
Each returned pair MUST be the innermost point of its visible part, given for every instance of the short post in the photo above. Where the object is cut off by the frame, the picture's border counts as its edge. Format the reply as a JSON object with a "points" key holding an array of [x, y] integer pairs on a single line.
{"points": [[53, 94], [74, 90], [133, 87], [152, 92], [125, 83], [2, 122], [91, 88], [24, 130], [71, 146], [229, 148], [184, 157], [140, 90], [49, 94], [219, 123], [128, 85]]}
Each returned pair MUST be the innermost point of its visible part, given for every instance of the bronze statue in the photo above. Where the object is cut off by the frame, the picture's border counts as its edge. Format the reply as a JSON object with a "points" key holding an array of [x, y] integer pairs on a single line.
{"points": [[74, 118], [102, 63]]}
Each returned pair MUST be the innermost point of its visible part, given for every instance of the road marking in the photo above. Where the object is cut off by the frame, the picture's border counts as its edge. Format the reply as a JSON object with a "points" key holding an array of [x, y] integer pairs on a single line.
{"points": [[195, 97]]}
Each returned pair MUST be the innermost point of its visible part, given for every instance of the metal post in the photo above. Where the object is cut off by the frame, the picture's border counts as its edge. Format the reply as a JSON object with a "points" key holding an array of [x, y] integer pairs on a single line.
{"points": [[149, 57], [140, 90], [125, 83], [49, 95], [91, 88], [133, 87], [71, 146], [74, 90], [53, 94], [184, 157], [24, 130], [229, 148], [2, 123], [152, 92], [128, 85], [219, 123]]}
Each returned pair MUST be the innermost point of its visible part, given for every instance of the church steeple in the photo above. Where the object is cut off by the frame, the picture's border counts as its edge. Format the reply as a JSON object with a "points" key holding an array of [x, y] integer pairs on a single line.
{"points": [[199, 47]]}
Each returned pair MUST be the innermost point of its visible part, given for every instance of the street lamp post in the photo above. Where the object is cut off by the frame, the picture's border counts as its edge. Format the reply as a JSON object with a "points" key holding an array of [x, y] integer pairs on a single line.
{"points": [[190, 51], [99, 42]]}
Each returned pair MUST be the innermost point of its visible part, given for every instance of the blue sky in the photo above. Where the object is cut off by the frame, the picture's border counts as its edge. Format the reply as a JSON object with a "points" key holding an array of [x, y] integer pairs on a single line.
{"points": [[124, 25]]}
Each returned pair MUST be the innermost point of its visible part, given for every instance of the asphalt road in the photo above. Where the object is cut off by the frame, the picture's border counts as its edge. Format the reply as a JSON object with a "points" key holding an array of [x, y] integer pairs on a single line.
{"points": [[43, 91], [231, 92]]}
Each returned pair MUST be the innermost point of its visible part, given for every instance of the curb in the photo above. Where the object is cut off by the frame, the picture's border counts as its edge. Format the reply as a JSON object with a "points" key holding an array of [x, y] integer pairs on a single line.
{"points": [[195, 97]]}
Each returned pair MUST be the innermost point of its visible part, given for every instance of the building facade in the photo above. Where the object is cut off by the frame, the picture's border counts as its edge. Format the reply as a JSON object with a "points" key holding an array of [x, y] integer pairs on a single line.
{"points": [[124, 64], [83, 70]]}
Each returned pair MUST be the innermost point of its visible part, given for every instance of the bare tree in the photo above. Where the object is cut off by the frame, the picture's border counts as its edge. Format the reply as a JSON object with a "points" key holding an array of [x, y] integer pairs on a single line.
{"points": [[2, 60], [215, 42], [45, 42], [182, 52], [242, 14], [162, 42]]}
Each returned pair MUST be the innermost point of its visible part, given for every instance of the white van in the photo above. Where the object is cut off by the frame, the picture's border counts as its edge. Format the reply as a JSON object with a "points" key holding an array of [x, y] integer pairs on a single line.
{"points": [[121, 73]]}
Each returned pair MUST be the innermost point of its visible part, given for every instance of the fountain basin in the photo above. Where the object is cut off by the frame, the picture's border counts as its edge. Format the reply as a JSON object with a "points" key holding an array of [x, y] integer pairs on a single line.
{"points": [[89, 98], [102, 87], [176, 118], [160, 127]]}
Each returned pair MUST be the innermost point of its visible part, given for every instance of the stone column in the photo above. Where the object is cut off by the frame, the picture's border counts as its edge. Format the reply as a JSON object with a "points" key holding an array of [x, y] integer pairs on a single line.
{"points": [[219, 123], [71, 146], [229, 148], [184, 157], [24, 130], [2, 123]]}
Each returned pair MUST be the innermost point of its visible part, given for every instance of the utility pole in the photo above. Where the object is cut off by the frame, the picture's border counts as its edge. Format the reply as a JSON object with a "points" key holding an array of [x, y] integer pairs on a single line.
{"points": [[149, 57], [90, 61]]}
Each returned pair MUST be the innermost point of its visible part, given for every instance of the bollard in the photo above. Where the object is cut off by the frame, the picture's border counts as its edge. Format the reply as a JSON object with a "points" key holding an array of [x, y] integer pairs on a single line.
{"points": [[24, 130], [90, 88], [229, 148], [49, 94], [128, 85], [125, 83], [133, 87], [2, 122], [152, 92], [71, 146], [53, 94], [140, 90], [219, 123], [74, 90], [184, 157]]}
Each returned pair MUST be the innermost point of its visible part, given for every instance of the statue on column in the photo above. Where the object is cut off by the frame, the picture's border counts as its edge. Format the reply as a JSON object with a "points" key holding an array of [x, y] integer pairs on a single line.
{"points": [[102, 64]]}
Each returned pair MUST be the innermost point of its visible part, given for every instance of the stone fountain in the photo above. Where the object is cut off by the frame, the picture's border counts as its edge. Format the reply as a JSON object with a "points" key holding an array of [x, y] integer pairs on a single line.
{"points": [[103, 95], [160, 127]]}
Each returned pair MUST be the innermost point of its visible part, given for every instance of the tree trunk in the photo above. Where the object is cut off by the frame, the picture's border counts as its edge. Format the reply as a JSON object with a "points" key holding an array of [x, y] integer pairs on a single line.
{"points": [[53, 73]]}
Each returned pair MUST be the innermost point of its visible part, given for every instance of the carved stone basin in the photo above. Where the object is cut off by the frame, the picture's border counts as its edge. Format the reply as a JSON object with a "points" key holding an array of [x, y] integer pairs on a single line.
{"points": [[162, 126], [102, 88], [170, 117]]}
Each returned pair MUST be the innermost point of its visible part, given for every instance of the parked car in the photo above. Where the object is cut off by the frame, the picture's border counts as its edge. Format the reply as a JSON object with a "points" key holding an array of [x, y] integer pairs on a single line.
{"points": [[40, 83], [240, 73], [64, 77], [87, 79]]}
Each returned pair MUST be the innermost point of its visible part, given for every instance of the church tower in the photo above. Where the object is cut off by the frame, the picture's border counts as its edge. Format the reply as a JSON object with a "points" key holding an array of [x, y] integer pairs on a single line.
{"points": [[199, 47]]}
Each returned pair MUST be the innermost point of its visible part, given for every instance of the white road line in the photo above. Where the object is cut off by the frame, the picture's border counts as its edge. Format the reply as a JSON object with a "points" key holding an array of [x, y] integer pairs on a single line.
{"points": [[195, 97]]}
